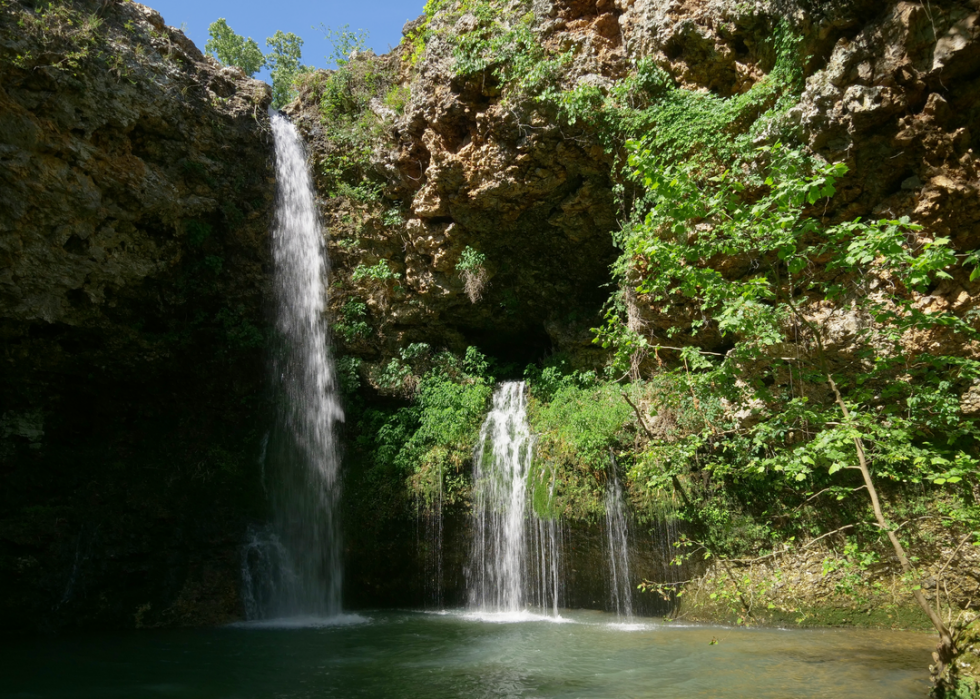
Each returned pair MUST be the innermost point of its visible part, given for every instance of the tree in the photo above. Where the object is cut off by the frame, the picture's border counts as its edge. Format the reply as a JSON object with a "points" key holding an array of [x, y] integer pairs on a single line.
{"points": [[344, 43], [232, 49], [284, 65], [822, 402]]}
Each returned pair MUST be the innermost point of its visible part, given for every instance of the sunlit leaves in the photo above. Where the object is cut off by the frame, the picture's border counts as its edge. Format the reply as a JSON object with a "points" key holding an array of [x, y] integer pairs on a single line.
{"points": [[761, 213], [232, 49], [284, 63]]}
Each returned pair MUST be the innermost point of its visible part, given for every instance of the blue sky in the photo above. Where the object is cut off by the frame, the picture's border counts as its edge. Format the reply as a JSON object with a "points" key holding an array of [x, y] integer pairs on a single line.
{"points": [[383, 20]]}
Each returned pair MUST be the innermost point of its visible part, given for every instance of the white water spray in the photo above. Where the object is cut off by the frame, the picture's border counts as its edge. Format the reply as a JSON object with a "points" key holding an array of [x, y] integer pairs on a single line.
{"points": [[303, 545], [515, 558]]}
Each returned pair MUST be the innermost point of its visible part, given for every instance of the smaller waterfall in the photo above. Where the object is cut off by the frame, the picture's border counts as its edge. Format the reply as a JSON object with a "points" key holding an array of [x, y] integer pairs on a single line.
{"points": [[621, 590], [515, 557], [429, 544], [547, 540]]}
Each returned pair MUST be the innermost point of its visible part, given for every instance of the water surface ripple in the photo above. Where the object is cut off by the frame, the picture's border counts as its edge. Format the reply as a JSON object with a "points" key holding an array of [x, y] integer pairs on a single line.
{"points": [[461, 655]]}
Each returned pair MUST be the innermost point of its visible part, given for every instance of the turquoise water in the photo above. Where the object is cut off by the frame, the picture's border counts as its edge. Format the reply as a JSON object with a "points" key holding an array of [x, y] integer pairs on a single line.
{"points": [[443, 655]]}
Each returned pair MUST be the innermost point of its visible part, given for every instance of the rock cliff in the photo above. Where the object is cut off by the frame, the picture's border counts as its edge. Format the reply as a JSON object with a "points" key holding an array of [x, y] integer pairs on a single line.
{"points": [[137, 191], [456, 160]]}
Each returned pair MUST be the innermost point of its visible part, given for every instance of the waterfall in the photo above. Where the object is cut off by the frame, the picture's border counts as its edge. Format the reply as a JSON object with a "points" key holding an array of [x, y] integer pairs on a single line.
{"points": [[429, 544], [515, 557], [621, 590], [293, 567]]}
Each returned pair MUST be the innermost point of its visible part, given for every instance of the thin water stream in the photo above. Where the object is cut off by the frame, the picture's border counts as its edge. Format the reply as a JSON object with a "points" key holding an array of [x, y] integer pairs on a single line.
{"points": [[617, 534], [460, 655]]}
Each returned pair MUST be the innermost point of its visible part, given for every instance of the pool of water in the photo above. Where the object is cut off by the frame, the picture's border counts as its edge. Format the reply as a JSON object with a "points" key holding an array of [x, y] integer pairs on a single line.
{"points": [[465, 655]]}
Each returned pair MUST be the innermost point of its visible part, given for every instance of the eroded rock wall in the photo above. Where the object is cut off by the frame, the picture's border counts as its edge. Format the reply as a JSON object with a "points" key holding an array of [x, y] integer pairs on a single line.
{"points": [[889, 91], [136, 193]]}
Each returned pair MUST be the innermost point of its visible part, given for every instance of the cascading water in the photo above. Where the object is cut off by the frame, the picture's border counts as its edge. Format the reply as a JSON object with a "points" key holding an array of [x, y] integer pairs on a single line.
{"points": [[621, 591], [515, 558], [429, 543], [293, 567]]}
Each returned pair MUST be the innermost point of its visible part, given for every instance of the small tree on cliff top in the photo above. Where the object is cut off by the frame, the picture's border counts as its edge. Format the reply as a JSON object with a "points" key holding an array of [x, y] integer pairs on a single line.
{"points": [[232, 49], [284, 65]]}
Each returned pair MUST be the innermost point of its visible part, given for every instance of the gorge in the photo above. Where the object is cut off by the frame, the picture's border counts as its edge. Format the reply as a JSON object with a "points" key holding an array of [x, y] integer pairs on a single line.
{"points": [[586, 314]]}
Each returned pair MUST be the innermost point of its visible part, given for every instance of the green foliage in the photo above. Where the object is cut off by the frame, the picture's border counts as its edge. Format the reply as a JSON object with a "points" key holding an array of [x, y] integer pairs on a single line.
{"points": [[197, 232], [284, 65], [351, 128], [232, 49], [353, 324], [379, 271], [348, 91], [349, 376], [471, 269], [470, 260], [428, 444], [240, 333], [397, 97], [419, 37], [966, 688], [686, 125], [474, 274], [363, 193], [392, 217], [851, 565], [904, 407], [503, 45], [65, 39], [578, 420], [344, 43], [215, 263], [700, 127], [508, 49]]}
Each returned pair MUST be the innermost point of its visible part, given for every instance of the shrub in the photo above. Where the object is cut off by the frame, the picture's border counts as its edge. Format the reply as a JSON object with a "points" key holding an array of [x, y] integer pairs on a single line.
{"points": [[474, 274]]}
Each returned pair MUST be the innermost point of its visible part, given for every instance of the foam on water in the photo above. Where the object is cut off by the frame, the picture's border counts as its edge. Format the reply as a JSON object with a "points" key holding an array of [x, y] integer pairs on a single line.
{"points": [[519, 617], [633, 626]]}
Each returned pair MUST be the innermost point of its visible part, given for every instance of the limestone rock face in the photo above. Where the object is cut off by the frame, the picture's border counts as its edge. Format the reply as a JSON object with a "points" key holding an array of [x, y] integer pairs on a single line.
{"points": [[465, 169], [100, 172], [136, 193], [890, 91]]}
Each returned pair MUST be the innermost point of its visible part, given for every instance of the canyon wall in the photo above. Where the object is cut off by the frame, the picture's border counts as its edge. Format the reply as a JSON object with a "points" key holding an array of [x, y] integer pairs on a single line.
{"points": [[457, 160], [137, 192]]}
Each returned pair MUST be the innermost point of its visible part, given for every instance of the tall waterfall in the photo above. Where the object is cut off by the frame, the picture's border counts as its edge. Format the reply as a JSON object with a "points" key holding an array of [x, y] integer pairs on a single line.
{"points": [[293, 567], [515, 558], [621, 590]]}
